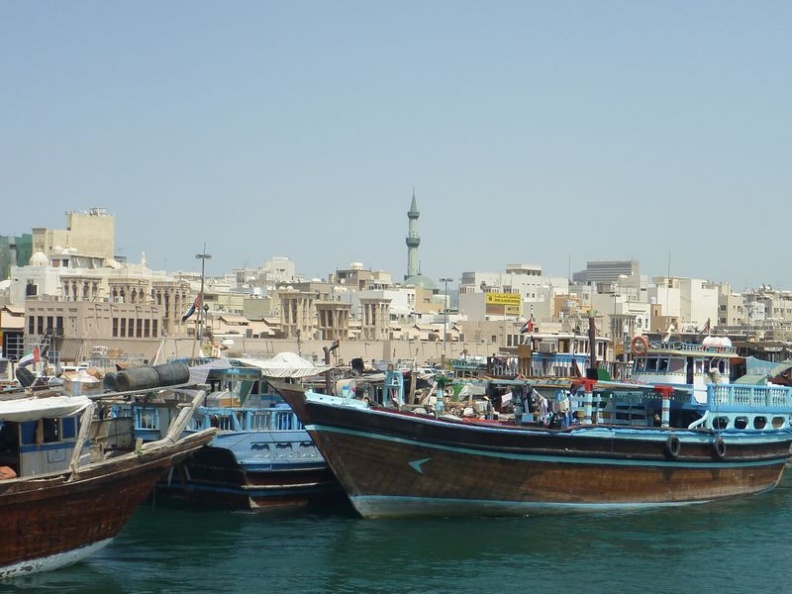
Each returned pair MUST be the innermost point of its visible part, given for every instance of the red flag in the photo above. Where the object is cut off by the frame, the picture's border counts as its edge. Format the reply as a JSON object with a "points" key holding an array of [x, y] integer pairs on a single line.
{"points": [[528, 327], [195, 305]]}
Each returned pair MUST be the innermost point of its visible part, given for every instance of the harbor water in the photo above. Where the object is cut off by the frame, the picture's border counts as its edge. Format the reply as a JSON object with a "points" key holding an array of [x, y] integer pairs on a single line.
{"points": [[742, 545]]}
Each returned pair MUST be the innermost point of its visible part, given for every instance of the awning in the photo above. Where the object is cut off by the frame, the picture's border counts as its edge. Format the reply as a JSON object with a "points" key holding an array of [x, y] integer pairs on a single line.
{"points": [[780, 369], [33, 409], [285, 365]]}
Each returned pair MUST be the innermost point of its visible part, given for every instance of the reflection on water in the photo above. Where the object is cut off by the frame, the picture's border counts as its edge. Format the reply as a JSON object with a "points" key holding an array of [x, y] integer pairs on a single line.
{"points": [[735, 546]]}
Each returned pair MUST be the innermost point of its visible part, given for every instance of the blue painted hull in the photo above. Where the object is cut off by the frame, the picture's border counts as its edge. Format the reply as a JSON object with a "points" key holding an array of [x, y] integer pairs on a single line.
{"points": [[263, 470]]}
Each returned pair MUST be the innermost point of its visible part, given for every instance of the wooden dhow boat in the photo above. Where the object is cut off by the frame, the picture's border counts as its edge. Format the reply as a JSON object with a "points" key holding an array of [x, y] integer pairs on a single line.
{"points": [[596, 445], [71, 476]]}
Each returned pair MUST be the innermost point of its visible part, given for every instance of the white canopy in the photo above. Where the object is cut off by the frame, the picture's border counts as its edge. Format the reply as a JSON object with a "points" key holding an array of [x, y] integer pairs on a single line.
{"points": [[286, 365], [32, 409]]}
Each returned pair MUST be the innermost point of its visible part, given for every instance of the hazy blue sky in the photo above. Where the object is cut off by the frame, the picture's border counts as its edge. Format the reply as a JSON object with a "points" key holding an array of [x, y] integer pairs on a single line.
{"points": [[549, 133]]}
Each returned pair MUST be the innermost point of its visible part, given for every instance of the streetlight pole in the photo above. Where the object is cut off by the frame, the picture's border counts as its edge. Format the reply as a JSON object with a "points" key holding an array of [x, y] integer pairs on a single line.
{"points": [[203, 257], [445, 282]]}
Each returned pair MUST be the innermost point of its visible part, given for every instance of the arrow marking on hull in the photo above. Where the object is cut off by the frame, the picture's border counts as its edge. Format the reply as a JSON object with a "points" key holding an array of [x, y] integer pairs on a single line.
{"points": [[416, 464]]}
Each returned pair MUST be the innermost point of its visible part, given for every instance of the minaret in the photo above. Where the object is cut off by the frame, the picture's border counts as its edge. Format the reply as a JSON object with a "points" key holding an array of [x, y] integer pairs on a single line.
{"points": [[413, 239]]}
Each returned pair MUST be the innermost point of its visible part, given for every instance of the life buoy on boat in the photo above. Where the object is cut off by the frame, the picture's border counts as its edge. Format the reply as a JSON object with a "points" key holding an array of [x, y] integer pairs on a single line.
{"points": [[673, 446], [720, 447], [639, 345]]}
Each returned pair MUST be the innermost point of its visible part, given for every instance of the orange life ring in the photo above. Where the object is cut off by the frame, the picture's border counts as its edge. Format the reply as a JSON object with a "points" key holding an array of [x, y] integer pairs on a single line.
{"points": [[639, 345]]}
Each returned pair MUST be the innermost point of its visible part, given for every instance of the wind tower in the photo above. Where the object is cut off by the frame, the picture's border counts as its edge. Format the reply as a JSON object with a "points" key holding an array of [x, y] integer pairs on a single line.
{"points": [[413, 240]]}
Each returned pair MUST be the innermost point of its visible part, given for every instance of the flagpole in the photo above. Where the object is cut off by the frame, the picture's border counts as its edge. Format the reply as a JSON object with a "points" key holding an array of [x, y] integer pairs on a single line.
{"points": [[203, 256]]}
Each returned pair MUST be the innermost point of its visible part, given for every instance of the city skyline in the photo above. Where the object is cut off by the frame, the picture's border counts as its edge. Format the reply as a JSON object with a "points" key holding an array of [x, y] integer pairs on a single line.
{"points": [[292, 270], [542, 133]]}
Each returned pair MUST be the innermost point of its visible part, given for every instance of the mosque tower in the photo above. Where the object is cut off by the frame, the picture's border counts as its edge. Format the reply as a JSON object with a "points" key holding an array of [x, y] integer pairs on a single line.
{"points": [[413, 240]]}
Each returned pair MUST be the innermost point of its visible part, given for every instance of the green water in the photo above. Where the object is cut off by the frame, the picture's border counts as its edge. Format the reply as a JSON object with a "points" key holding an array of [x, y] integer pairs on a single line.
{"points": [[730, 547]]}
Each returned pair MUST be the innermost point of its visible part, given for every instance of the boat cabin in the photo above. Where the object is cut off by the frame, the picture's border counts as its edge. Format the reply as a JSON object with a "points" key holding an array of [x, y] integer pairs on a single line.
{"points": [[683, 364], [38, 446]]}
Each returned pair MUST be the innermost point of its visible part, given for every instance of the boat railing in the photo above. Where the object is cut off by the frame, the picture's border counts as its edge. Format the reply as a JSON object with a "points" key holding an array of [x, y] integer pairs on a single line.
{"points": [[243, 419], [692, 348], [146, 417], [273, 420], [749, 397]]}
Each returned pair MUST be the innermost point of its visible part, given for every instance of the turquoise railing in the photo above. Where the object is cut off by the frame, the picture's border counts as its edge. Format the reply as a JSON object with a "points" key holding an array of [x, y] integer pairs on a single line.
{"points": [[749, 397]]}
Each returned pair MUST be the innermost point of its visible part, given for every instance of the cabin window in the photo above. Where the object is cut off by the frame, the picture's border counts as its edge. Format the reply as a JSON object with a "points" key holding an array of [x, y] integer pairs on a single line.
{"points": [[759, 422], [69, 427], [778, 422], [9, 436], [9, 445], [640, 365], [740, 422], [720, 423], [28, 436], [676, 365], [51, 430], [147, 418], [41, 431]]}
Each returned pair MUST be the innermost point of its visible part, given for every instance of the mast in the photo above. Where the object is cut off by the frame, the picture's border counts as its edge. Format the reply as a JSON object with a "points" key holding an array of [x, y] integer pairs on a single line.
{"points": [[592, 335], [200, 320]]}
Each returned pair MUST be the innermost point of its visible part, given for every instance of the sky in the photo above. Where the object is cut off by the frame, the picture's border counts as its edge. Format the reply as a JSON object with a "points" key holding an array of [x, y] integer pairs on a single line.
{"points": [[550, 132]]}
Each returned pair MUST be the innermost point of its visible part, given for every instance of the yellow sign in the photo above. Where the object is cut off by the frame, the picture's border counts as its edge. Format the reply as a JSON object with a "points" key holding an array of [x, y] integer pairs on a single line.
{"points": [[512, 299]]}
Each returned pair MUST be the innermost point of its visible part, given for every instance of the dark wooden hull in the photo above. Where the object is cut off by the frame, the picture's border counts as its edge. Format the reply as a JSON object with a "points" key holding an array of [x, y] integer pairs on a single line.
{"points": [[214, 478], [398, 464], [56, 519]]}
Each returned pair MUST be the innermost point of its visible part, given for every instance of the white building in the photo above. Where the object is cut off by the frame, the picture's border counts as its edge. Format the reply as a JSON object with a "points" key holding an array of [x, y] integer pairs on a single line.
{"points": [[536, 293], [691, 301]]}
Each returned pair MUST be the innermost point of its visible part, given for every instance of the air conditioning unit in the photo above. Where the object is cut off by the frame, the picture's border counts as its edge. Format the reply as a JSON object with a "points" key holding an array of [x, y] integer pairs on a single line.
{"points": [[548, 347]]}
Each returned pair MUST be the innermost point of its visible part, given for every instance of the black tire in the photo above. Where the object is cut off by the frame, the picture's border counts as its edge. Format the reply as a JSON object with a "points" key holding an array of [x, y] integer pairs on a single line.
{"points": [[673, 446], [719, 447]]}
